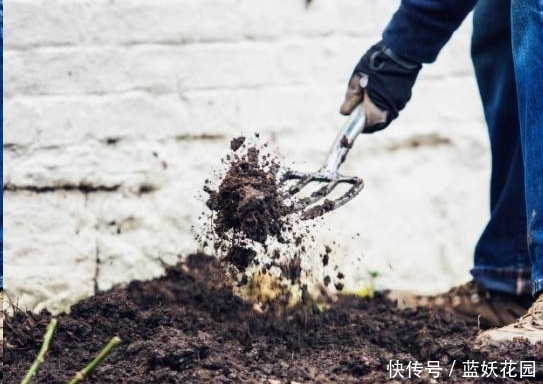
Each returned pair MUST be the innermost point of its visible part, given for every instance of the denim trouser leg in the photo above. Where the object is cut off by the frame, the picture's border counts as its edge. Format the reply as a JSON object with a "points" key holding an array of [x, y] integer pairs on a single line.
{"points": [[527, 36], [501, 261]]}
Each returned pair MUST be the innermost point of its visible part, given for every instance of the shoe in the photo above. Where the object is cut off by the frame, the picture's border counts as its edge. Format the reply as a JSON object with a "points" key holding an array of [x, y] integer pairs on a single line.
{"points": [[528, 327], [473, 303]]}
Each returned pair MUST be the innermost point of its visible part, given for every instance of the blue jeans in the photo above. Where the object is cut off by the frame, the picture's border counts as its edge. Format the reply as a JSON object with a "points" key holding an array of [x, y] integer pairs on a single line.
{"points": [[507, 52], [527, 39]]}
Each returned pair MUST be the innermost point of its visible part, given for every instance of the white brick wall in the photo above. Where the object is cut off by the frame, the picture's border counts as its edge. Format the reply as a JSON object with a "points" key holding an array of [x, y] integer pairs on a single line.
{"points": [[119, 95]]}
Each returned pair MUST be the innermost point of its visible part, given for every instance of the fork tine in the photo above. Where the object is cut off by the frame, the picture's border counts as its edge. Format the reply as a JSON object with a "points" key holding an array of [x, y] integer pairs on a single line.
{"points": [[303, 180], [358, 185], [319, 193], [306, 205], [300, 184], [325, 190], [330, 205]]}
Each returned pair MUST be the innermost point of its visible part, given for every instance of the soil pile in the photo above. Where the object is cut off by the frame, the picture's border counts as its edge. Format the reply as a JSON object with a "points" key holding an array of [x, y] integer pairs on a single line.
{"points": [[187, 328]]}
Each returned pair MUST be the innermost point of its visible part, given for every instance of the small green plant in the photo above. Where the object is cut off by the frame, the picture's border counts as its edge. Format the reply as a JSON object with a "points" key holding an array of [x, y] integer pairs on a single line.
{"points": [[80, 375], [320, 307], [368, 289], [373, 275], [41, 354]]}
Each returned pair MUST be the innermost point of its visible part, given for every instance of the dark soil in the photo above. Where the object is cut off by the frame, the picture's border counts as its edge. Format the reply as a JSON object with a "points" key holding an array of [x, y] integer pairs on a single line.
{"points": [[240, 257], [187, 328], [236, 143], [250, 226], [248, 200]]}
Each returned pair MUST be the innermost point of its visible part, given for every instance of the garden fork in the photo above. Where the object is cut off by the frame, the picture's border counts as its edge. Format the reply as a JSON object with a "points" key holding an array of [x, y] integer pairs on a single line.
{"points": [[329, 172]]}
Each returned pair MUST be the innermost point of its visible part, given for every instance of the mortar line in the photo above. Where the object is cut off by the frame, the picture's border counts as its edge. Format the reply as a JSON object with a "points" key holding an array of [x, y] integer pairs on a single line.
{"points": [[96, 253]]}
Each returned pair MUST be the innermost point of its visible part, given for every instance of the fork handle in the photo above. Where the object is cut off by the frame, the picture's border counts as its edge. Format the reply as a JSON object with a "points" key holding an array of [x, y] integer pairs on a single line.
{"points": [[344, 141]]}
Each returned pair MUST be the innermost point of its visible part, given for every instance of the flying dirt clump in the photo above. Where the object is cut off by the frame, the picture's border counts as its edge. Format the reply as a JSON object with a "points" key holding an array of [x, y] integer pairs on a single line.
{"points": [[248, 200], [255, 234]]}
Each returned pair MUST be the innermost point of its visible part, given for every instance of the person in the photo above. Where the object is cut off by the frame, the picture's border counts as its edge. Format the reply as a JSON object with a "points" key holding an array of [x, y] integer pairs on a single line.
{"points": [[507, 54]]}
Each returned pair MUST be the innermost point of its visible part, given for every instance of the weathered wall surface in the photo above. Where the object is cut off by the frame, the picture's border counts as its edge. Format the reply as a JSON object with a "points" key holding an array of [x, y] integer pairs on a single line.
{"points": [[116, 112]]}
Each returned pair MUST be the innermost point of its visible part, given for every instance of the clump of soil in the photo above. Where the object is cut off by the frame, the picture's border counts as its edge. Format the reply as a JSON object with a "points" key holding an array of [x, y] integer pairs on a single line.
{"points": [[251, 228], [240, 257], [236, 143], [248, 200], [186, 327], [258, 239]]}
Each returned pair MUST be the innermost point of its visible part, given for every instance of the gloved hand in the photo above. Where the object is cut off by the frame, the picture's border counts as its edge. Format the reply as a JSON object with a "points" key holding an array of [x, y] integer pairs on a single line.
{"points": [[386, 80]]}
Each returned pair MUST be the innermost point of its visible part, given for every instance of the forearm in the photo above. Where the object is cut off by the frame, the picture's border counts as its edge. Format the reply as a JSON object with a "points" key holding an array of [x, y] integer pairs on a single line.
{"points": [[420, 28]]}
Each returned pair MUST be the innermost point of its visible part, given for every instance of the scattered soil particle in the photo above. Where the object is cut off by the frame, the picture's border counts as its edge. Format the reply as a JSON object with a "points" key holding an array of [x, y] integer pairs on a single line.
{"points": [[248, 207], [345, 142], [236, 143], [339, 286], [326, 255], [240, 257], [184, 328], [292, 270], [325, 259]]}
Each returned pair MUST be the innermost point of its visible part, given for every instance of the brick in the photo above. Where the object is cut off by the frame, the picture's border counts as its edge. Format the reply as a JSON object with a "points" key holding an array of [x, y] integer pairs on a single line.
{"points": [[125, 250], [444, 102], [287, 108], [31, 23], [139, 22], [165, 21], [214, 112], [263, 20], [322, 62], [128, 164], [227, 66], [366, 19], [63, 71], [49, 250], [21, 123], [154, 69], [75, 120]]}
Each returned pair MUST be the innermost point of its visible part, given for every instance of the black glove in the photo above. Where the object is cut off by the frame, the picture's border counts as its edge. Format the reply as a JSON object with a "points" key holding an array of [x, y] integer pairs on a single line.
{"points": [[389, 82]]}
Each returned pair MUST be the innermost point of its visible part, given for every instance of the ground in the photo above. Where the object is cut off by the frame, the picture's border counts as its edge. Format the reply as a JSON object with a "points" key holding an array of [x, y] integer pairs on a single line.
{"points": [[187, 327]]}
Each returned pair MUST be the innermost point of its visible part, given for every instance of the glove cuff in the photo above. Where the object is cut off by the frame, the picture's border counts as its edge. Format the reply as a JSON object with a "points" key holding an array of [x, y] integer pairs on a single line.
{"points": [[402, 62], [390, 78]]}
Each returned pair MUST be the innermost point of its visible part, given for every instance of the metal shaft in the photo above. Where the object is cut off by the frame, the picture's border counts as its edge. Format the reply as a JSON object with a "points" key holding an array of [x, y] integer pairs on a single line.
{"points": [[343, 142]]}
